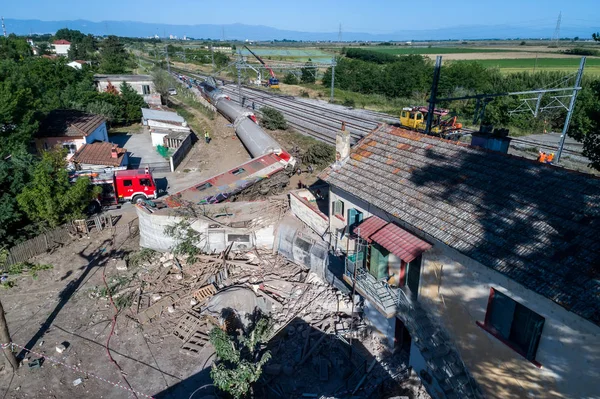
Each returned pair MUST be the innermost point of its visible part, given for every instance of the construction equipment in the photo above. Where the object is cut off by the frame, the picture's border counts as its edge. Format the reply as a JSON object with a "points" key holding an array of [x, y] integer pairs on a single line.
{"points": [[415, 118], [273, 82]]}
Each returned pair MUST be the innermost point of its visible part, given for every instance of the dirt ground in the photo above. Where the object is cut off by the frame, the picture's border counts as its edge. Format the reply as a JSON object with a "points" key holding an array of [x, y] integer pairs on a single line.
{"points": [[224, 152], [59, 306]]}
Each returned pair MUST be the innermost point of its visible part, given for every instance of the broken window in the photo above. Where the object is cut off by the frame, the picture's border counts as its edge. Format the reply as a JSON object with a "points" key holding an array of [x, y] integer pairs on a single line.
{"points": [[71, 148], [203, 186], [514, 324], [238, 238]]}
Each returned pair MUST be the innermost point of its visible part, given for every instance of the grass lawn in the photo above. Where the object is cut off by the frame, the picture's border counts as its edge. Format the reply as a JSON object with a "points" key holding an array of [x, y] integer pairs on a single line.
{"points": [[592, 65], [434, 50]]}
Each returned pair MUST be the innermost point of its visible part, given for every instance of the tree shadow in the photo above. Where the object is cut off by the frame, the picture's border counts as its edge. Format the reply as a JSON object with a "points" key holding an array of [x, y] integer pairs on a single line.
{"points": [[536, 233], [95, 259]]}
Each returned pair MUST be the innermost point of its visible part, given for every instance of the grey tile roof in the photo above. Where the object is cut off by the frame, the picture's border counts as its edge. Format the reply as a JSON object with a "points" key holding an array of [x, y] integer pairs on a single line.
{"points": [[537, 224]]}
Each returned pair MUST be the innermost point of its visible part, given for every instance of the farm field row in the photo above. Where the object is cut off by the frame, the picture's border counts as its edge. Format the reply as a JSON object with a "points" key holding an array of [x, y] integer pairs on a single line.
{"points": [[592, 66]]}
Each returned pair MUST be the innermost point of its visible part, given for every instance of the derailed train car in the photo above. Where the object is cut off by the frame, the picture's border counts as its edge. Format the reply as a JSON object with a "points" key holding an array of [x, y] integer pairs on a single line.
{"points": [[267, 173]]}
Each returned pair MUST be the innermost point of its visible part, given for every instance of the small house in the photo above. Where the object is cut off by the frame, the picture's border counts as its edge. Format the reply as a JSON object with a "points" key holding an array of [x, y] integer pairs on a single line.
{"points": [[100, 155], [70, 129], [142, 84], [61, 47]]}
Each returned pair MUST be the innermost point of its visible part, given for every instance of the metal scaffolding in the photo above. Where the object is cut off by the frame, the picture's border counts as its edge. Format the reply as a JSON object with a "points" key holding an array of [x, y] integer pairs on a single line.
{"points": [[533, 103]]}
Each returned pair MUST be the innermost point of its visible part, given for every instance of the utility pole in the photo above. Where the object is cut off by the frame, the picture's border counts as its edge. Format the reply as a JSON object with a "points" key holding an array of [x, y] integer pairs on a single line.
{"points": [[5, 340], [168, 64], [570, 111], [239, 76], [434, 86], [556, 36], [332, 79], [4, 28]]}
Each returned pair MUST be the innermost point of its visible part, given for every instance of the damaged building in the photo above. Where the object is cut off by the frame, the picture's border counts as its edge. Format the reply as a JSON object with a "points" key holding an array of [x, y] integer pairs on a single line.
{"points": [[483, 266]]}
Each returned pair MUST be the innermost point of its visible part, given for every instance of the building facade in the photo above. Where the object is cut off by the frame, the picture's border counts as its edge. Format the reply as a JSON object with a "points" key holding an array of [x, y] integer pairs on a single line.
{"points": [[70, 129], [465, 264], [142, 84], [61, 47]]}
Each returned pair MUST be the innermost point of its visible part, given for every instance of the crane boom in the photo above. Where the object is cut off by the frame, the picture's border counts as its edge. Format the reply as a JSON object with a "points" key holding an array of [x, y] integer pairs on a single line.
{"points": [[262, 62]]}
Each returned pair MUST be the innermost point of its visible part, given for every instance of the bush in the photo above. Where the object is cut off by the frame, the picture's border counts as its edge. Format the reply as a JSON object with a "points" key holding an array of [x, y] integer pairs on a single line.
{"points": [[582, 51], [304, 93], [290, 79], [272, 119], [349, 102], [319, 154], [523, 43]]}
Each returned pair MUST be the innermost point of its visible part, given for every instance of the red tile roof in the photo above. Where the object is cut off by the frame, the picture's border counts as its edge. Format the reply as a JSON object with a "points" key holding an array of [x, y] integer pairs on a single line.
{"points": [[99, 153], [393, 238], [61, 41]]}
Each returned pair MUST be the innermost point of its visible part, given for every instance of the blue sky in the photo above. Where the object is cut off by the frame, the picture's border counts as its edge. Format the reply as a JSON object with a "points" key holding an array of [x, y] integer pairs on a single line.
{"points": [[372, 16]]}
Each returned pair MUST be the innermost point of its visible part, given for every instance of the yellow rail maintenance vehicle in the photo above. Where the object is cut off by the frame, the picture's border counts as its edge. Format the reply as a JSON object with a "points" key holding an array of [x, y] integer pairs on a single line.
{"points": [[415, 118]]}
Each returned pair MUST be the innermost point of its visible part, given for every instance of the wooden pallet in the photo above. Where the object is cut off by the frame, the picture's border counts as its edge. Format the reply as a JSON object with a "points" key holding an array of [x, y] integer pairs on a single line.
{"points": [[195, 344], [187, 326], [205, 292], [156, 309]]}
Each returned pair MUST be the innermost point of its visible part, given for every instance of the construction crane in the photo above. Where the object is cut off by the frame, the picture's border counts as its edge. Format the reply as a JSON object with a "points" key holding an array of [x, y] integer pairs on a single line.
{"points": [[273, 81]]}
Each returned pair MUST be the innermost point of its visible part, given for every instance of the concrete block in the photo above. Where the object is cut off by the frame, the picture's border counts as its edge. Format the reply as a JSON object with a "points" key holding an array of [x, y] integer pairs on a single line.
{"points": [[121, 264], [61, 348]]}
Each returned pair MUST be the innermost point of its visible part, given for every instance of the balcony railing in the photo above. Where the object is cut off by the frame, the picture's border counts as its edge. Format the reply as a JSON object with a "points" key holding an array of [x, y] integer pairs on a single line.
{"points": [[388, 299]]}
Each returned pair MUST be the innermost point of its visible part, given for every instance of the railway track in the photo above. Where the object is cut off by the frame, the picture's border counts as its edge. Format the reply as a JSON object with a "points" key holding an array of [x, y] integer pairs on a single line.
{"points": [[320, 122]]}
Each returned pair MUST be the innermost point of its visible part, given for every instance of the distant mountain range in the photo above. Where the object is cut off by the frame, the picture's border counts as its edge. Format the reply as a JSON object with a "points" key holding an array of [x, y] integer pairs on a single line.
{"points": [[258, 32]]}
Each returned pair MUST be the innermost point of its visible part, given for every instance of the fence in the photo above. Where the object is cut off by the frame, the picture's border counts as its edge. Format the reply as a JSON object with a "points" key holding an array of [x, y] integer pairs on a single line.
{"points": [[181, 152], [54, 238]]}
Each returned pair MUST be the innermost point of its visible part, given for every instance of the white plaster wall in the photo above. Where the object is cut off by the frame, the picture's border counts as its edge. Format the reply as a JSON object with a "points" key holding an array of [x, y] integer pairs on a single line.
{"points": [[457, 288], [385, 326], [157, 138], [61, 49], [137, 86], [308, 215]]}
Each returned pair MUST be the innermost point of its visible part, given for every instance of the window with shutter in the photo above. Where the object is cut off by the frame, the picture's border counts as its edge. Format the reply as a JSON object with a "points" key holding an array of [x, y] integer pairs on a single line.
{"points": [[514, 324]]}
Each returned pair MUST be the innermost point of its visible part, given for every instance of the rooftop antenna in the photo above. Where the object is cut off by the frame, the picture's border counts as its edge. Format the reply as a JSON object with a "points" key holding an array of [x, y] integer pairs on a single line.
{"points": [[4, 27], [556, 36]]}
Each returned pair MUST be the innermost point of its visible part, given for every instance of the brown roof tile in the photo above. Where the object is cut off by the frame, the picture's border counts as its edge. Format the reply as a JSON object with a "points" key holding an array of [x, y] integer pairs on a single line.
{"points": [[99, 153], [68, 122], [535, 223]]}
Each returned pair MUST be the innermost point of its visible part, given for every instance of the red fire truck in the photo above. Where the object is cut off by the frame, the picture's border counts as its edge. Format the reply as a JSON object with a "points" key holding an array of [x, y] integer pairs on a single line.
{"points": [[134, 185]]}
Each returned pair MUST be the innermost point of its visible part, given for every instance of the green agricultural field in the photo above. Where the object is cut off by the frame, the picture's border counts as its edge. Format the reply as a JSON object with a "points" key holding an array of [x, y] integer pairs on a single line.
{"points": [[592, 66], [434, 50]]}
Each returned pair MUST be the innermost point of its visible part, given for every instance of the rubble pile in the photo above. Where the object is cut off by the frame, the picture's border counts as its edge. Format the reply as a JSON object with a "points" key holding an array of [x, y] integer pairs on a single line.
{"points": [[319, 342]]}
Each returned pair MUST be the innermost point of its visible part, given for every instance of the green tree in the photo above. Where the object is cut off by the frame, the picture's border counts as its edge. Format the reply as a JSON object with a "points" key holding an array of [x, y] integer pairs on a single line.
{"points": [[15, 173], [221, 59], [71, 35], [290, 79], [50, 198], [309, 73], [240, 358], [272, 119], [162, 82], [133, 103], [596, 36], [113, 57]]}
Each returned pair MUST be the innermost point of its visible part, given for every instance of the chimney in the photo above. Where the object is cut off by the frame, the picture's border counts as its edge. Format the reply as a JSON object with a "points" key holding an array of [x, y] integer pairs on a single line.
{"points": [[342, 144], [113, 153]]}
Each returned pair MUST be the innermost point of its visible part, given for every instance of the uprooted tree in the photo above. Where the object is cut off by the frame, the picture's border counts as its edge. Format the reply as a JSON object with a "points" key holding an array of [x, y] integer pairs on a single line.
{"points": [[240, 356]]}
